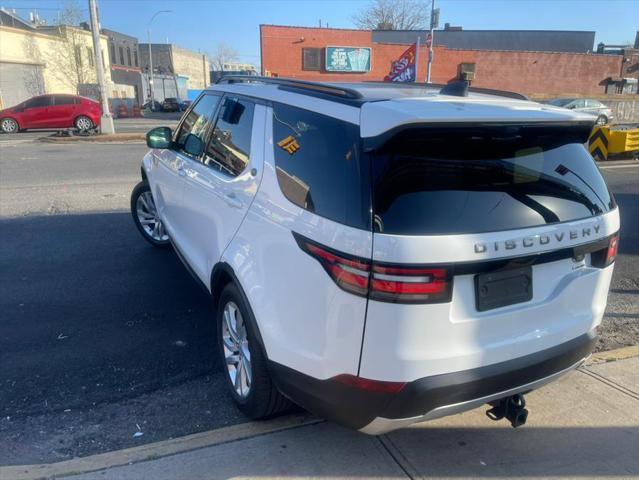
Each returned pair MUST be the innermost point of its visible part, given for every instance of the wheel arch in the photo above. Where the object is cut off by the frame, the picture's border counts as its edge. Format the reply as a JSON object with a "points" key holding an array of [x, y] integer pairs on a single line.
{"points": [[223, 274]]}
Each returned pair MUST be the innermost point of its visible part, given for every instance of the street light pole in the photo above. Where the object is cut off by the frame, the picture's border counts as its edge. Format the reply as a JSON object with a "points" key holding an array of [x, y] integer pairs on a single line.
{"points": [[432, 40], [148, 32], [106, 121]]}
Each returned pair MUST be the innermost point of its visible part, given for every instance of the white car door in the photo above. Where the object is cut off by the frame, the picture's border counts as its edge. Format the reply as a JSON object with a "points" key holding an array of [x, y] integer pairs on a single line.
{"points": [[171, 173], [220, 187]]}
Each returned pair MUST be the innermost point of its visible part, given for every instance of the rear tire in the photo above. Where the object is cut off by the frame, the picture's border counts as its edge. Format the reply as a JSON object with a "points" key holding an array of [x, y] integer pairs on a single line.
{"points": [[83, 123], [146, 217], [242, 358], [9, 125]]}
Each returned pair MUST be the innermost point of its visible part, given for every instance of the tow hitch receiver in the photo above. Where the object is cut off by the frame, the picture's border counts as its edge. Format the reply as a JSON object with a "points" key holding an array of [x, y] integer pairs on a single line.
{"points": [[513, 408]]}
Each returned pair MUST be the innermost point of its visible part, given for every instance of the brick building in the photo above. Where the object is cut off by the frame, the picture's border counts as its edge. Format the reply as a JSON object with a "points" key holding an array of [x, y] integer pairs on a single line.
{"points": [[546, 63]]}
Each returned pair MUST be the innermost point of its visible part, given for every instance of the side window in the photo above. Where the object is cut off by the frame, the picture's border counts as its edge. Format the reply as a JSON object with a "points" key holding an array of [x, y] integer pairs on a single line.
{"points": [[318, 167], [579, 103], [64, 100], [229, 148], [37, 102], [197, 121]]}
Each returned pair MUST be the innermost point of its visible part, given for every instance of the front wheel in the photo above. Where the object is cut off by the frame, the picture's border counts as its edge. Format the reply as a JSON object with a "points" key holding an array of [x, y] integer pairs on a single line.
{"points": [[243, 360], [9, 125], [146, 216]]}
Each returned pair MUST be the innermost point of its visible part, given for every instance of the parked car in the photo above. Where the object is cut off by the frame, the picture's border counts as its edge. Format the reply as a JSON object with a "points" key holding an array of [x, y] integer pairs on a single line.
{"points": [[586, 105], [384, 258], [185, 104], [170, 105], [51, 111], [154, 106]]}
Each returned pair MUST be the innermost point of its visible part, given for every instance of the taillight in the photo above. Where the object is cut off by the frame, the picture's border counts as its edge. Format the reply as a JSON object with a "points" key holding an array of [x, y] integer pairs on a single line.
{"points": [[410, 284], [350, 273], [613, 246], [388, 282]]}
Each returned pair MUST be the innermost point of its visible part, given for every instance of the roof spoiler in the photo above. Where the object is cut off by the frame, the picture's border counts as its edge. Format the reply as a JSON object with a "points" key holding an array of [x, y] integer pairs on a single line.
{"points": [[441, 86]]}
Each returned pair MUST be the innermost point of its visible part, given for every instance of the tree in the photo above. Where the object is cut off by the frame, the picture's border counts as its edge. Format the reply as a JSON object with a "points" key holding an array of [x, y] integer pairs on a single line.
{"points": [[394, 15], [223, 54], [71, 59]]}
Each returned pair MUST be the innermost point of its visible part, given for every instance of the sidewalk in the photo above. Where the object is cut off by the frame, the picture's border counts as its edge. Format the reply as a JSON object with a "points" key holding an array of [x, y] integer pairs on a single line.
{"points": [[585, 425]]}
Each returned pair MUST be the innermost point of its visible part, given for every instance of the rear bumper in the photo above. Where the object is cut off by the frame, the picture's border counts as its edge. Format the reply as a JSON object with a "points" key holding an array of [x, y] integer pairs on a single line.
{"points": [[430, 397]]}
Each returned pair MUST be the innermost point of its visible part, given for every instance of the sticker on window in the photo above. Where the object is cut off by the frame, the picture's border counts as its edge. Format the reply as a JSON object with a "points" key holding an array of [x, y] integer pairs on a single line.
{"points": [[289, 144]]}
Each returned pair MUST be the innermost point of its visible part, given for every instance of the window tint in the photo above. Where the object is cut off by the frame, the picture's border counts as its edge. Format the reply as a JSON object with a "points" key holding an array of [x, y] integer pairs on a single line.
{"points": [[437, 181], [198, 120], [64, 100], [37, 102], [318, 166], [229, 149]]}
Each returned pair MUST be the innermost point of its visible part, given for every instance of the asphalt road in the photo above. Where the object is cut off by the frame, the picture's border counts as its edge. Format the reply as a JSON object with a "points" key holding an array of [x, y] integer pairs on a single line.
{"points": [[103, 336]]}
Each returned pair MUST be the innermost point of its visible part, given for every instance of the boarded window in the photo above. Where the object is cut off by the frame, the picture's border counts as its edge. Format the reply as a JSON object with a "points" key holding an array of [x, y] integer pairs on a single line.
{"points": [[311, 59]]}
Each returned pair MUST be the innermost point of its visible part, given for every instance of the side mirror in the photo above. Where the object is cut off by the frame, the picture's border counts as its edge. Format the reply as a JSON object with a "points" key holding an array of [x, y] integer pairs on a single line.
{"points": [[160, 137], [193, 145]]}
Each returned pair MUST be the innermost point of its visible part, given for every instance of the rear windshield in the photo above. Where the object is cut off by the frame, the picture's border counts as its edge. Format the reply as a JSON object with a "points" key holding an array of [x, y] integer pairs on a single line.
{"points": [[436, 181]]}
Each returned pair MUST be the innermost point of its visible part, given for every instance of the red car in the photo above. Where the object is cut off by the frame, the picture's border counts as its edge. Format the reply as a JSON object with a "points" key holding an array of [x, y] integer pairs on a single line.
{"points": [[51, 111]]}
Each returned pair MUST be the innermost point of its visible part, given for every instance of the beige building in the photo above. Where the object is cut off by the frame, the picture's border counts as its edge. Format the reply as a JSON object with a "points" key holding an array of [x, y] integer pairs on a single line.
{"points": [[190, 69], [45, 59]]}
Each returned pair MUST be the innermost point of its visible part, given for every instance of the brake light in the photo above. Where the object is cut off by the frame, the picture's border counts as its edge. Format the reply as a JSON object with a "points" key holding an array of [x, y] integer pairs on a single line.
{"points": [[613, 246], [382, 282]]}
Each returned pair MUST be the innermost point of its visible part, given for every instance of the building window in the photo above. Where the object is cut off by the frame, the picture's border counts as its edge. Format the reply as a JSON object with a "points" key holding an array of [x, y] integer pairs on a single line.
{"points": [[103, 64], [135, 57], [311, 59], [121, 55], [113, 59], [128, 55], [90, 56]]}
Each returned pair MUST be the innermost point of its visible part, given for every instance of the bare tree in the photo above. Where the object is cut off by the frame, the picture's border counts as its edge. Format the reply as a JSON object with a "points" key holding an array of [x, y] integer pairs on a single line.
{"points": [[394, 15], [71, 58], [223, 54]]}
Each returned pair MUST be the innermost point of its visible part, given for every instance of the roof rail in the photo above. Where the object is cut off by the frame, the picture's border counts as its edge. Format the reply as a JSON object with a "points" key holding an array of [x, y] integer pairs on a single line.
{"points": [[315, 87], [487, 91]]}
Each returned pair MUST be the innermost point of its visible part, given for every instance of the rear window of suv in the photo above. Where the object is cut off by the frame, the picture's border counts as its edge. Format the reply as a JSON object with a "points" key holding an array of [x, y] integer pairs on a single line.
{"points": [[437, 181]]}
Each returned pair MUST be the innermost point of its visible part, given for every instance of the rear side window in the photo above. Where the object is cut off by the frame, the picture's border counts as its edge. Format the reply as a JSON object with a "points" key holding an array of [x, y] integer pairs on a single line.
{"points": [[318, 165], [230, 146], [64, 100], [437, 181], [198, 120]]}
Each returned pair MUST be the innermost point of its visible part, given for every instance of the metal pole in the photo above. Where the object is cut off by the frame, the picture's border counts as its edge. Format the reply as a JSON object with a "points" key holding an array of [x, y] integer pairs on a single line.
{"points": [[106, 121], [416, 59], [150, 73], [148, 32], [432, 40]]}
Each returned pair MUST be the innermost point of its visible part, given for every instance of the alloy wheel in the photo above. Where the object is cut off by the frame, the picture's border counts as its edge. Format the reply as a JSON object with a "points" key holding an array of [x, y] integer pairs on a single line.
{"points": [[9, 125], [236, 350], [83, 124], [149, 218]]}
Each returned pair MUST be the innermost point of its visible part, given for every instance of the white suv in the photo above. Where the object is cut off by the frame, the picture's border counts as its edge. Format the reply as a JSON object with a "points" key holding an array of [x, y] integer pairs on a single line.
{"points": [[383, 254]]}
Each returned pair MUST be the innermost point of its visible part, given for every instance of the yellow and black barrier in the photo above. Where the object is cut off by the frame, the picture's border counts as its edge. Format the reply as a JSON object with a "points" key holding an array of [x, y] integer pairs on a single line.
{"points": [[598, 143], [606, 140]]}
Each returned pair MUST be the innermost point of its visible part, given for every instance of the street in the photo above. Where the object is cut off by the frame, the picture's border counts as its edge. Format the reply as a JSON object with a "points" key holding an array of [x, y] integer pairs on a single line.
{"points": [[103, 336]]}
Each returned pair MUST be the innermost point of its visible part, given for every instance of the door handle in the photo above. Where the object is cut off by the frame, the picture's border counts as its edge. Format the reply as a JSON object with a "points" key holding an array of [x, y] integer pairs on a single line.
{"points": [[232, 200]]}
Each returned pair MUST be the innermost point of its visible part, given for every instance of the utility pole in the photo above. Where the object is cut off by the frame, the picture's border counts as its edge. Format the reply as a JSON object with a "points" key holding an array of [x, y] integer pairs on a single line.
{"points": [[434, 20], [106, 122], [148, 33]]}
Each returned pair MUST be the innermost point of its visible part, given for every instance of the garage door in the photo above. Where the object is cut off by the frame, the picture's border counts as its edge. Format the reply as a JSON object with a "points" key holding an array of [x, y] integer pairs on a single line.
{"points": [[19, 82]]}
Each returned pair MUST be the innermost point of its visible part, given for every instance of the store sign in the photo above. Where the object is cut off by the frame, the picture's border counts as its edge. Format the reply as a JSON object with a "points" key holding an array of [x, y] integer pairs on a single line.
{"points": [[348, 59]]}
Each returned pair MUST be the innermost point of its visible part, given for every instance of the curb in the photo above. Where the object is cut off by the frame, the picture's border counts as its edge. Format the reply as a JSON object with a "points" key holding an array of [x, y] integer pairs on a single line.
{"points": [[613, 355], [151, 451], [117, 137]]}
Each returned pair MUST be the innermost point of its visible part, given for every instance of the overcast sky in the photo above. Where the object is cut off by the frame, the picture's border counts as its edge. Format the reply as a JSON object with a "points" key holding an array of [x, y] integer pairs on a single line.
{"points": [[201, 24]]}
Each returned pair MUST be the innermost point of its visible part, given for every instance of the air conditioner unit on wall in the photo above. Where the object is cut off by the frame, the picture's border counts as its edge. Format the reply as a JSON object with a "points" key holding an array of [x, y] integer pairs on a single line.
{"points": [[467, 71]]}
